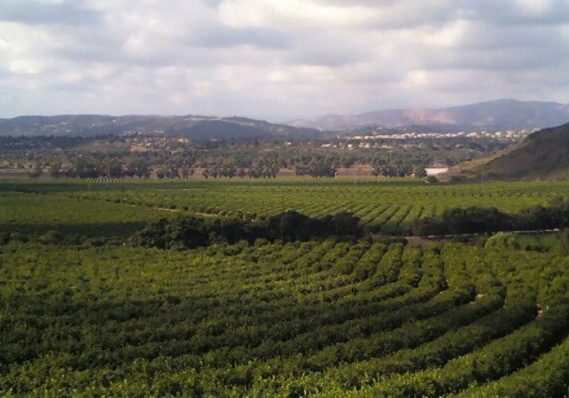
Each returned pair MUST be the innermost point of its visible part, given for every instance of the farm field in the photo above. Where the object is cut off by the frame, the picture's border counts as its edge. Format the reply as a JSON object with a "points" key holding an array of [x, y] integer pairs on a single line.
{"points": [[89, 312], [272, 199], [391, 206], [326, 319]]}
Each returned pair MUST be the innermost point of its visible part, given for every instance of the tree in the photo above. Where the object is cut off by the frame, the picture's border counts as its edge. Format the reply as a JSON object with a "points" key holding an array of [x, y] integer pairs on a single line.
{"points": [[36, 172], [172, 171], [139, 168], [111, 168], [55, 170], [419, 171], [475, 220], [293, 225]]}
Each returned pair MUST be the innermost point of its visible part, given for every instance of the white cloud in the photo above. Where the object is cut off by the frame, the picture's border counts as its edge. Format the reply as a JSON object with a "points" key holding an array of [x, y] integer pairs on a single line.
{"points": [[448, 35], [269, 13], [275, 58], [535, 7]]}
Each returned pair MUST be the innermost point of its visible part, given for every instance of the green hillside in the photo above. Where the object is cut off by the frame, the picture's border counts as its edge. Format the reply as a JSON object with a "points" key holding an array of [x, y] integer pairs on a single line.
{"points": [[193, 126], [543, 155]]}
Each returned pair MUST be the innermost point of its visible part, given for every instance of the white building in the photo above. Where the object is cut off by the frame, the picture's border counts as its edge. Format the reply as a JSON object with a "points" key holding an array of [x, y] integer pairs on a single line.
{"points": [[435, 171]]}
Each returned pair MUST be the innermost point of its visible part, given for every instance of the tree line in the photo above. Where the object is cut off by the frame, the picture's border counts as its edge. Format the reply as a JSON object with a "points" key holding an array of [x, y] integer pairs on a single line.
{"points": [[471, 220], [168, 157], [191, 231]]}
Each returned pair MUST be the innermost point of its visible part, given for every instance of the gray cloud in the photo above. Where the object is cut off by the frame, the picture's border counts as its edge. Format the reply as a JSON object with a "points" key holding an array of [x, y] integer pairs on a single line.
{"points": [[277, 59], [520, 12], [223, 36], [32, 12]]}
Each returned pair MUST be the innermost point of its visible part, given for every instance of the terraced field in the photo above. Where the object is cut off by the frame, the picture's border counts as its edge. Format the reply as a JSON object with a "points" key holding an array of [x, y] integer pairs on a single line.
{"points": [[326, 319], [392, 206]]}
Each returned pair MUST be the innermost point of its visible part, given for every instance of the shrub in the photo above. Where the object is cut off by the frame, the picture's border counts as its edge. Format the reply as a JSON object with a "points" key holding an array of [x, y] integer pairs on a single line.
{"points": [[503, 240], [4, 238], [51, 238], [564, 242], [18, 237]]}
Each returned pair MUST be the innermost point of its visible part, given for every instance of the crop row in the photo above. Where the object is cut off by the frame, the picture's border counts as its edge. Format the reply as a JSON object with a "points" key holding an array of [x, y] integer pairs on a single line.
{"points": [[271, 319]]}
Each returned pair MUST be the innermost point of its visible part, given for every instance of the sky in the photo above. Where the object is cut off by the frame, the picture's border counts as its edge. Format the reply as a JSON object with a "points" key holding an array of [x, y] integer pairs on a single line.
{"points": [[277, 59]]}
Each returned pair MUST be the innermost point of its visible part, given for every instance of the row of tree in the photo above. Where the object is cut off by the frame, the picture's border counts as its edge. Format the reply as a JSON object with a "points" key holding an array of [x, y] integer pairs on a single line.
{"points": [[190, 232], [230, 171], [473, 219], [406, 170], [141, 169]]}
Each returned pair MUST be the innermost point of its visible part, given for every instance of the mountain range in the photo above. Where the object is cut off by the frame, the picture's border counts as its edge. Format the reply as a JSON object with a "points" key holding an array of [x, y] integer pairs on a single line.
{"points": [[504, 114], [201, 127]]}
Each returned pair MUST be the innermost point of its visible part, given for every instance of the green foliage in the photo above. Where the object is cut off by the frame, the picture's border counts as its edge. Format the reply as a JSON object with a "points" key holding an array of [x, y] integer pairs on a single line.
{"points": [[471, 220], [189, 232], [112, 208], [256, 307], [464, 221], [17, 237], [503, 240], [51, 238], [280, 319], [564, 242]]}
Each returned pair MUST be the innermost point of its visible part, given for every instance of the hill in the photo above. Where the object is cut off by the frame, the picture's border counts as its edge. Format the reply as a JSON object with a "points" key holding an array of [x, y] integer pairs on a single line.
{"points": [[502, 114], [189, 126], [544, 154]]}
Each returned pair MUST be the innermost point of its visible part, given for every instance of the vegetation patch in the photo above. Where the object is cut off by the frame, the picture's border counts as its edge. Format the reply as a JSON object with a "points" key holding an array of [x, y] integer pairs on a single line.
{"points": [[190, 232]]}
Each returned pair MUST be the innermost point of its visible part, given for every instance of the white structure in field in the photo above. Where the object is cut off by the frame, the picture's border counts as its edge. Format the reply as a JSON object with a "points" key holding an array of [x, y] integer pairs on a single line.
{"points": [[435, 171]]}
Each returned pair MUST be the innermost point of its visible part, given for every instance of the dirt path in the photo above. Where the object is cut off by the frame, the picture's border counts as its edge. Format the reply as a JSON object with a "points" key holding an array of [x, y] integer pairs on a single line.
{"points": [[423, 240]]}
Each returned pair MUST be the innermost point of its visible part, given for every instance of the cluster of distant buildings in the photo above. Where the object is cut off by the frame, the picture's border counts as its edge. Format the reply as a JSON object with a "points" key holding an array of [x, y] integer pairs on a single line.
{"points": [[512, 135], [149, 143]]}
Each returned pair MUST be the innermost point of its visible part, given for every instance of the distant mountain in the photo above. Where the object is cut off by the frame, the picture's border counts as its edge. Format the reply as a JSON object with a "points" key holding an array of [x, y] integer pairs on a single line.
{"points": [[202, 127], [502, 114], [544, 155]]}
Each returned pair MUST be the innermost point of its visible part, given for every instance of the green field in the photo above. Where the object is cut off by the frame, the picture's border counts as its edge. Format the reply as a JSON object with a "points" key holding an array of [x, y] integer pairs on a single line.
{"points": [[392, 206], [100, 317], [323, 318]]}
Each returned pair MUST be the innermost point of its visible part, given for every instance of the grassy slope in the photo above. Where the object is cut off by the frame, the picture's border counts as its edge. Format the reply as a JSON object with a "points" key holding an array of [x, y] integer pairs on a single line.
{"points": [[544, 154]]}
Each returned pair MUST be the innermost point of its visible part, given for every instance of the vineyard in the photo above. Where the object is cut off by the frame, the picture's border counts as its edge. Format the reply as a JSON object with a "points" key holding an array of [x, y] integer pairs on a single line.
{"points": [[86, 311], [390, 206], [324, 318]]}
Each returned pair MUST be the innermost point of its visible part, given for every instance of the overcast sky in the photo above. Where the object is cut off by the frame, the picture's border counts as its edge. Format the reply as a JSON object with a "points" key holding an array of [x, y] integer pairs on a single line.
{"points": [[277, 59]]}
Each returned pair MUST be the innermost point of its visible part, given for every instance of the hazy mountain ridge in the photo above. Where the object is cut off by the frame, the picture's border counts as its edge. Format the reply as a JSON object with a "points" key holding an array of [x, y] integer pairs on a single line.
{"points": [[543, 155], [493, 115], [502, 114], [192, 126]]}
